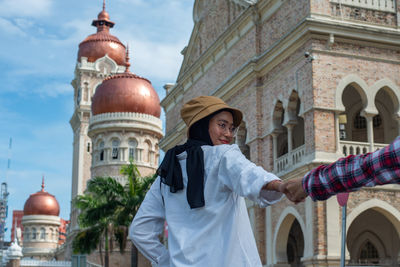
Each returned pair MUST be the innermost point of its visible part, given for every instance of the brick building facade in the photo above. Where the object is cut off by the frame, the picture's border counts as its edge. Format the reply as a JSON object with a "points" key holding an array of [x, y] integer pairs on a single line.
{"points": [[316, 80]]}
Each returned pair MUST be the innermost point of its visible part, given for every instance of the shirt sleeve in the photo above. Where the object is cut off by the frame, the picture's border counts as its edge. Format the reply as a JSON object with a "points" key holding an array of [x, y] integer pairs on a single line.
{"points": [[355, 171], [148, 224], [246, 179]]}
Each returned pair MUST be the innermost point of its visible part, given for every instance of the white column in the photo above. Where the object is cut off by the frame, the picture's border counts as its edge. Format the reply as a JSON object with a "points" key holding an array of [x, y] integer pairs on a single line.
{"points": [[370, 131], [269, 238], [107, 154], [124, 155], [337, 133], [290, 142], [370, 128], [275, 149]]}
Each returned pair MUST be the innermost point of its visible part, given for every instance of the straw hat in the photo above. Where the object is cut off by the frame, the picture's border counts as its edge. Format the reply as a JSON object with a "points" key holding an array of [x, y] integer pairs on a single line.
{"points": [[202, 106]]}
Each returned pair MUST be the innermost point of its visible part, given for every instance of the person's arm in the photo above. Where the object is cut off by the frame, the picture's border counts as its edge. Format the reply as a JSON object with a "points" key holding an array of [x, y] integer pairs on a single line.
{"points": [[355, 171], [148, 224], [248, 180]]}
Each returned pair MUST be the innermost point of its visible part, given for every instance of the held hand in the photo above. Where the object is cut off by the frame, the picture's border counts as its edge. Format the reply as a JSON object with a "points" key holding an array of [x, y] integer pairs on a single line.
{"points": [[294, 191], [279, 186]]}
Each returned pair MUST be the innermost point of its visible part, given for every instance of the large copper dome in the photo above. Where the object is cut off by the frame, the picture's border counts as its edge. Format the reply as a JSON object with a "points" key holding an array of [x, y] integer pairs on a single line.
{"points": [[97, 45], [126, 92], [42, 203]]}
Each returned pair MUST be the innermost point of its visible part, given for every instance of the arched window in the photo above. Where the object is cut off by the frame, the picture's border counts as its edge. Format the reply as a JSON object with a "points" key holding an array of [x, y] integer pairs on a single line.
{"points": [[26, 234], [148, 152], [42, 233], [101, 151], [34, 233], [369, 253], [115, 149], [132, 149], [51, 237]]}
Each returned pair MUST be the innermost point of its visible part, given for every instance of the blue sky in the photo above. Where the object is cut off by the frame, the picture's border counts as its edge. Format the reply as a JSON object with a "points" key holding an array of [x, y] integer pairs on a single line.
{"points": [[38, 49]]}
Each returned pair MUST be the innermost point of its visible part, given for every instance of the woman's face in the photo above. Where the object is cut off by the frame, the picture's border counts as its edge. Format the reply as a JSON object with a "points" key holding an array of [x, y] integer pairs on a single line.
{"points": [[221, 128]]}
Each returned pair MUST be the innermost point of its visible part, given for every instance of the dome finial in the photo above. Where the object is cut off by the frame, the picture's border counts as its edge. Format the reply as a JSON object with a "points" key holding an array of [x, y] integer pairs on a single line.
{"points": [[127, 64], [103, 22], [43, 183]]}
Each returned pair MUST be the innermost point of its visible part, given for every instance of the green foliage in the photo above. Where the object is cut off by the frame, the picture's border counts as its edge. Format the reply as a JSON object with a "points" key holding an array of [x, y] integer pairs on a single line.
{"points": [[135, 191], [107, 209]]}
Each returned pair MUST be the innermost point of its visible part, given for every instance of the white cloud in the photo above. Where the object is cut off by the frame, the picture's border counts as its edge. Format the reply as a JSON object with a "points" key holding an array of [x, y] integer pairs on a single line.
{"points": [[9, 28], [158, 60], [54, 89], [23, 23], [22, 8]]}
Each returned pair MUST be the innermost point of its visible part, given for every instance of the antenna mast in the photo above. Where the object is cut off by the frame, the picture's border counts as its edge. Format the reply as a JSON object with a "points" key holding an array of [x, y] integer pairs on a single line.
{"points": [[4, 200]]}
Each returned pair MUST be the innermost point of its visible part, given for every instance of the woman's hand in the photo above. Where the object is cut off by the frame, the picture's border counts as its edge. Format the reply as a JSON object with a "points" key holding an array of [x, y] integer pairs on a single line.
{"points": [[275, 185], [294, 191]]}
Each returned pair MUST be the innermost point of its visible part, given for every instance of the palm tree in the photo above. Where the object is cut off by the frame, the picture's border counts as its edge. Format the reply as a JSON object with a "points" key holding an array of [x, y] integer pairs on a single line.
{"points": [[107, 209], [98, 207], [134, 193]]}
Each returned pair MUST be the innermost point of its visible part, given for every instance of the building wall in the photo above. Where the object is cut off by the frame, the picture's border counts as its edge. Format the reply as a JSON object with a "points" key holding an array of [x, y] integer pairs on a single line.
{"points": [[257, 64]]}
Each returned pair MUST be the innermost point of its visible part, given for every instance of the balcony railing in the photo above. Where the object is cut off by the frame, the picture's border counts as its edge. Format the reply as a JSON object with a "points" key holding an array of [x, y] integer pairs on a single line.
{"points": [[297, 156], [355, 148], [282, 163], [39, 263], [381, 5], [294, 157]]}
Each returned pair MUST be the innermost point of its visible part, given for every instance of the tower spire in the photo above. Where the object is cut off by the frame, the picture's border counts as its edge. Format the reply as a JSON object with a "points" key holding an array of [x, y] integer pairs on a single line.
{"points": [[43, 183], [103, 22], [127, 64]]}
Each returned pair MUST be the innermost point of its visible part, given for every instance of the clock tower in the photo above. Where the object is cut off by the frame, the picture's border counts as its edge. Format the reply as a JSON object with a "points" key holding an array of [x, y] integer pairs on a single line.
{"points": [[100, 55]]}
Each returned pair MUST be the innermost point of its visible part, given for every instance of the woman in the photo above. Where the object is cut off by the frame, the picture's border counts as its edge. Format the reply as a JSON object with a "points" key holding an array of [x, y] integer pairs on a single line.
{"points": [[199, 193]]}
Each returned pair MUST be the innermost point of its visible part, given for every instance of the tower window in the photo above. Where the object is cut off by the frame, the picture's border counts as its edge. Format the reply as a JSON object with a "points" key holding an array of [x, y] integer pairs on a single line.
{"points": [[34, 233], [88, 147], [26, 235], [115, 149], [101, 151], [132, 149], [42, 233]]}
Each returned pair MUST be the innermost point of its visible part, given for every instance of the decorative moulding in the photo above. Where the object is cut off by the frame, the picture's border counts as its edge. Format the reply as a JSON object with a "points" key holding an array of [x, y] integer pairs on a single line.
{"points": [[245, 3]]}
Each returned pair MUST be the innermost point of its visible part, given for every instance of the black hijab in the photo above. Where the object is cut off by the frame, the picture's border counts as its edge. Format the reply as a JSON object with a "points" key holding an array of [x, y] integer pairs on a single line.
{"points": [[170, 170]]}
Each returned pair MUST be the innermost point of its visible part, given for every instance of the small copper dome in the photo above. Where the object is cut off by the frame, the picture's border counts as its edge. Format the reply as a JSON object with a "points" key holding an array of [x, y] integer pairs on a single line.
{"points": [[126, 92], [103, 15], [42, 203], [97, 45]]}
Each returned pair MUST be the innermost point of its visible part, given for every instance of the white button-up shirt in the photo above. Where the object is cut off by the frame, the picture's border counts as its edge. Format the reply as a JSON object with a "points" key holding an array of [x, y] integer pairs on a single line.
{"points": [[216, 235]]}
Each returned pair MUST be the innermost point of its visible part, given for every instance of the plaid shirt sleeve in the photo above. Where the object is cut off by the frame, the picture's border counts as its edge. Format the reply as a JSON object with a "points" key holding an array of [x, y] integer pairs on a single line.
{"points": [[352, 172]]}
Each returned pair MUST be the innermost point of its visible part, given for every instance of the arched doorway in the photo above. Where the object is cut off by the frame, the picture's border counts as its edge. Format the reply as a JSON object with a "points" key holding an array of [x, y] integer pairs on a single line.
{"points": [[289, 244], [373, 240], [295, 245]]}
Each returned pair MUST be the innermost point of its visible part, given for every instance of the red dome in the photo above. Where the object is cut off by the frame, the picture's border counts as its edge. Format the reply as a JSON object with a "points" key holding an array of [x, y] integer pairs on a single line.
{"points": [[97, 45], [126, 92], [41, 203], [102, 43]]}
